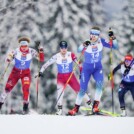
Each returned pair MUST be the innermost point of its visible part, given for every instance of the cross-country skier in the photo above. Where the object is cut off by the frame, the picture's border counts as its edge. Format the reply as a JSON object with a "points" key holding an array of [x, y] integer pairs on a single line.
{"points": [[127, 82], [92, 66], [22, 56], [64, 60]]}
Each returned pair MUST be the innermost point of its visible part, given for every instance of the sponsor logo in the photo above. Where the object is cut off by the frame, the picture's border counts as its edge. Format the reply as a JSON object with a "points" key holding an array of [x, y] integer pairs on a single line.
{"points": [[23, 57], [26, 78], [64, 60], [94, 48]]}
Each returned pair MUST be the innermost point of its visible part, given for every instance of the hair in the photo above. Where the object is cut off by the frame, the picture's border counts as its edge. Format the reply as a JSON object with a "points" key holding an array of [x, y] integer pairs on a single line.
{"points": [[96, 28], [24, 39]]}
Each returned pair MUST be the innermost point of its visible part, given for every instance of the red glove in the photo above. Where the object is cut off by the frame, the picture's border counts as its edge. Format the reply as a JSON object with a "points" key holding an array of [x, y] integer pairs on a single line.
{"points": [[41, 54]]}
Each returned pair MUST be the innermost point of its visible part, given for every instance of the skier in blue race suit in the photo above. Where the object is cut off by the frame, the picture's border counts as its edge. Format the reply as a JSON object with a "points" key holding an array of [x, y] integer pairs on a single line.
{"points": [[127, 81], [92, 66]]}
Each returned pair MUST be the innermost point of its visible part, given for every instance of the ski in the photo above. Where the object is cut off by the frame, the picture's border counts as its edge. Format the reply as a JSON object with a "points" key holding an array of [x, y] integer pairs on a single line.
{"points": [[102, 112]]}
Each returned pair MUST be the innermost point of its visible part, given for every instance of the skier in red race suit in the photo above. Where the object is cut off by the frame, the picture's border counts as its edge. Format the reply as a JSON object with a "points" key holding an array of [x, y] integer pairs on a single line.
{"points": [[22, 56], [64, 60]]}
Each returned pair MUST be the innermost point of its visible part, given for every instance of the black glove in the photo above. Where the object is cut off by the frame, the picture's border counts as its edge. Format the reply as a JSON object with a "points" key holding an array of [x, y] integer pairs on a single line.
{"points": [[37, 43], [111, 33], [86, 43], [40, 74]]}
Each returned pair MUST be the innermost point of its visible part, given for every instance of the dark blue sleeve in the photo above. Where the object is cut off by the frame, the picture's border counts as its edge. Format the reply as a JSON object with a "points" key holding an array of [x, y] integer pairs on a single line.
{"points": [[116, 68], [106, 44]]}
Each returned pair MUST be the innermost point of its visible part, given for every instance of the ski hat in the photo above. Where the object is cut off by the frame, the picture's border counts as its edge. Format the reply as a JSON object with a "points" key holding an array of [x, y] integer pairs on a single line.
{"points": [[24, 41], [63, 44], [129, 57]]}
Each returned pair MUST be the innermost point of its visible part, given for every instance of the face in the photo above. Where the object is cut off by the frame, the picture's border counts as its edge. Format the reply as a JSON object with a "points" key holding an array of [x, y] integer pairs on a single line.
{"points": [[93, 38], [94, 35], [127, 62], [24, 48], [63, 50]]}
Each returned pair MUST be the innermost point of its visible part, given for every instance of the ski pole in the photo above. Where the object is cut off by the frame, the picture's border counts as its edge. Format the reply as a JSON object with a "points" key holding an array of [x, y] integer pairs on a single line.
{"points": [[69, 77], [37, 82], [112, 80], [5, 71]]}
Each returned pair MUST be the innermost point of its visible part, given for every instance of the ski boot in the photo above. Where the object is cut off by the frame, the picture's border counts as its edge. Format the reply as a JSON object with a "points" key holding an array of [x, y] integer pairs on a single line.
{"points": [[25, 108], [123, 112], [89, 104], [74, 111], [1, 105], [95, 109], [59, 111]]}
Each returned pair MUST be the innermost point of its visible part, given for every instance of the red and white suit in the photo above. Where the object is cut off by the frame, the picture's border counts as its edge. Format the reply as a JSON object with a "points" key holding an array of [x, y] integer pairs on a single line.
{"points": [[21, 70], [65, 68]]}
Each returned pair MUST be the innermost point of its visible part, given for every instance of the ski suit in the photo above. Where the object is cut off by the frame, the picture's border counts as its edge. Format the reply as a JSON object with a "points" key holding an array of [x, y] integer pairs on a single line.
{"points": [[127, 83], [92, 66], [65, 68], [21, 70]]}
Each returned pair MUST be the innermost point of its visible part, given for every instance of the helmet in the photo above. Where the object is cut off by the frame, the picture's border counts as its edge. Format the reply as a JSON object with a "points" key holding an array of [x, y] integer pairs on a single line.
{"points": [[63, 44], [129, 57]]}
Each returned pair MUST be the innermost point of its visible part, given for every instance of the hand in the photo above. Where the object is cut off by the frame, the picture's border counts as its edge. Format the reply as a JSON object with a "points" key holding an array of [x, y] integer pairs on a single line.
{"points": [[110, 76], [40, 74], [40, 49], [37, 43], [9, 57], [111, 34], [86, 43]]}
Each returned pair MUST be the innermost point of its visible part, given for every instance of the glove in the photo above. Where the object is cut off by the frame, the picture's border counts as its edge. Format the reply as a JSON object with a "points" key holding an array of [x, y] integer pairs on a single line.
{"points": [[37, 43], [40, 74], [40, 49], [41, 54], [110, 76], [9, 57], [111, 34], [86, 43]]}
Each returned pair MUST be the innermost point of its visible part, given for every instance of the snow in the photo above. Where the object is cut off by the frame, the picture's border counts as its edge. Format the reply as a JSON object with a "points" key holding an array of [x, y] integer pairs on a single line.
{"points": [[52, 124]]}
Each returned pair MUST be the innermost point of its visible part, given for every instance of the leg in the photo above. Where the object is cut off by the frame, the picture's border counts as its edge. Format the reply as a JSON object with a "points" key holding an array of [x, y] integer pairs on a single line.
{"points": [[26, 80], [132, 92], [85, 76], [74, 84], [60, 93], [11, 82], [98, 76], [121, 94]]}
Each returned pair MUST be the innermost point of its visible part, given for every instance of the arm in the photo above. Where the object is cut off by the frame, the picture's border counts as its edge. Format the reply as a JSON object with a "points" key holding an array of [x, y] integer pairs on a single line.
{"points": [[48, 63], [117, 68], [74, 58], [39, 56], [83, 46], [10, 56], [111, 74], [112, 43]]}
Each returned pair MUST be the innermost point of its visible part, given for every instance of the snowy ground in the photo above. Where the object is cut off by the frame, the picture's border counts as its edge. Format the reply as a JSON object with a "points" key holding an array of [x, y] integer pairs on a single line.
{"points": [[53, 124]]}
